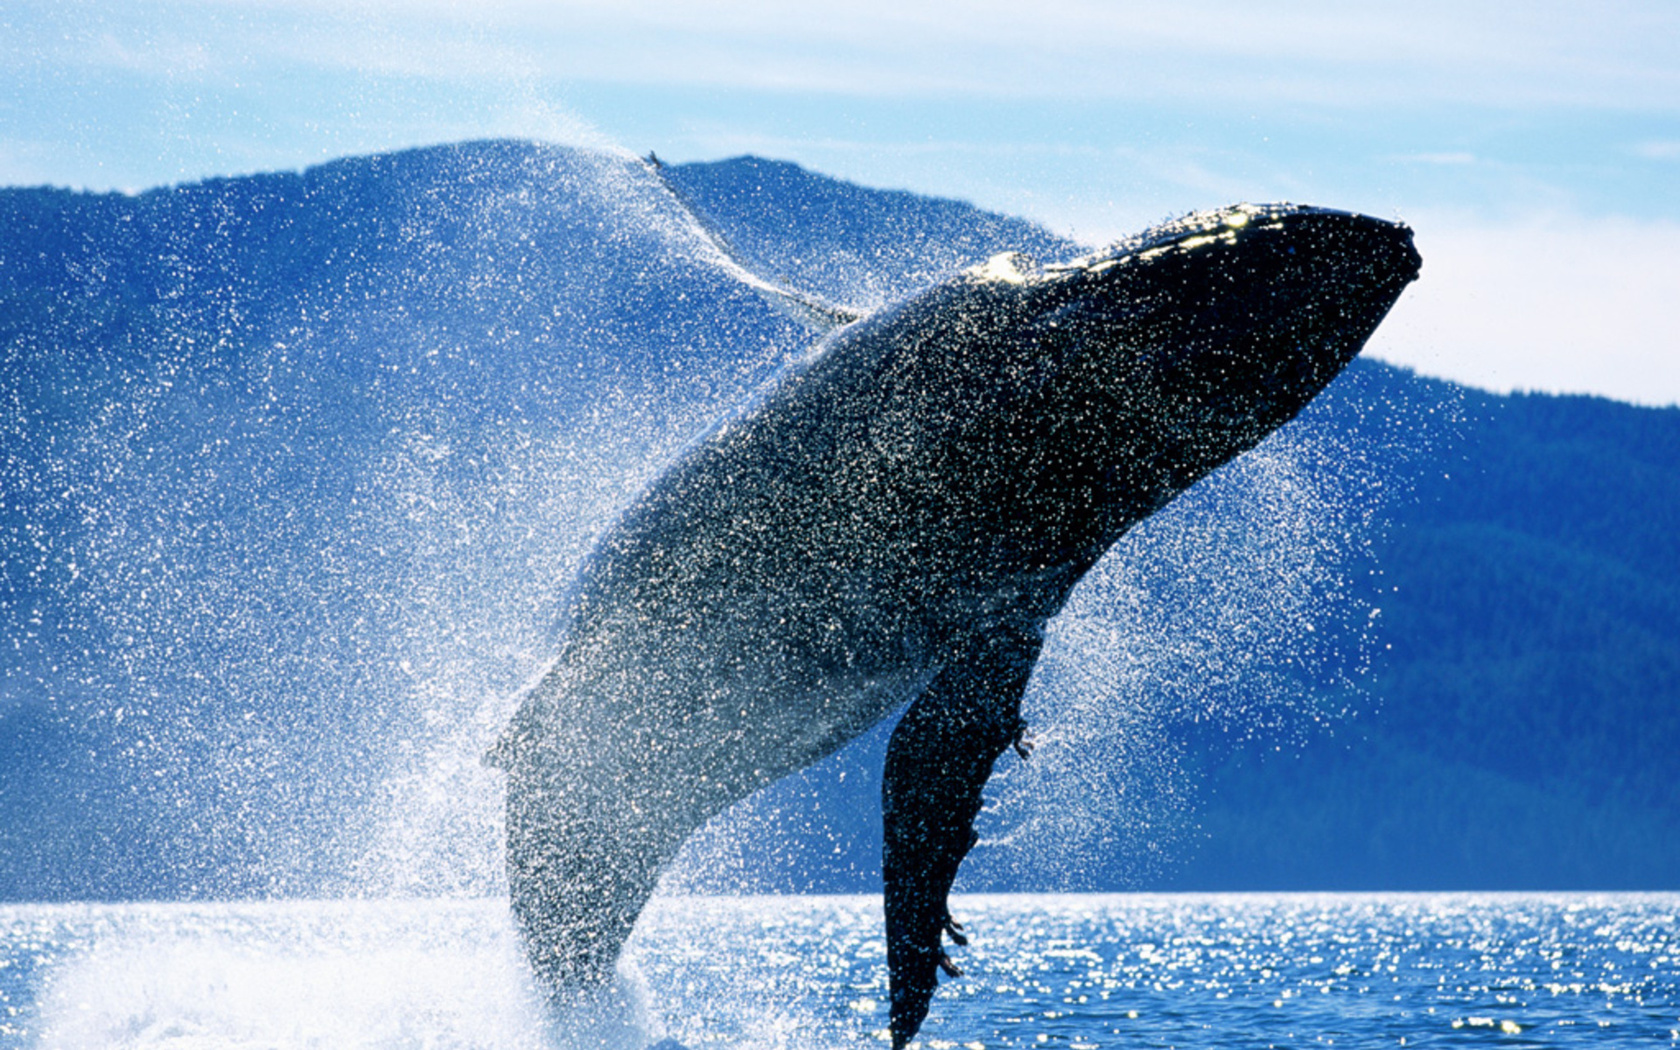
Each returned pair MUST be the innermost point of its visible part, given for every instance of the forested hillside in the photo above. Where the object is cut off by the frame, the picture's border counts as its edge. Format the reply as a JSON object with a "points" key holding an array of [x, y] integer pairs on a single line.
{"points": [[1523, 722]]}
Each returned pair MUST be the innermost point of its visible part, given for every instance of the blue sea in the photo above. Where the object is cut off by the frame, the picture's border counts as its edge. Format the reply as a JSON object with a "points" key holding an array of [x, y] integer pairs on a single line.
{"points": [[1073, 972]]}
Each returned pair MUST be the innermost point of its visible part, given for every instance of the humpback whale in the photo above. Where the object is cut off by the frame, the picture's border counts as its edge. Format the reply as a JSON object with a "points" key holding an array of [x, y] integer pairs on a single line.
{"points": [[892, 520]]}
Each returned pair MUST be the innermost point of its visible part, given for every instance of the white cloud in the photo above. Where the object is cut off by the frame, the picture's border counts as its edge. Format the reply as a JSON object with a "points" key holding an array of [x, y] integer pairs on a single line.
{"points": [[1616, 52], [1563, 304]]}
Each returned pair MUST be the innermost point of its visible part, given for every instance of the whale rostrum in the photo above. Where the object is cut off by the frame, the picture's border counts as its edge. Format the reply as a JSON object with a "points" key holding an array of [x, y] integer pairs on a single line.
{"points": [[893, 519]]}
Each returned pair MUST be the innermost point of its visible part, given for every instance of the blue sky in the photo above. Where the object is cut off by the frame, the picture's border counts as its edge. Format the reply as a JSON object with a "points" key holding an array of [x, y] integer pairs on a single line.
{"points": [[1536, 148]]}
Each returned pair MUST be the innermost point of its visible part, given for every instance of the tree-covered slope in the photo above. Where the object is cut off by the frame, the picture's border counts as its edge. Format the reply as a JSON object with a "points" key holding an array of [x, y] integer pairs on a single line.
{"points": [[1523, 722]]}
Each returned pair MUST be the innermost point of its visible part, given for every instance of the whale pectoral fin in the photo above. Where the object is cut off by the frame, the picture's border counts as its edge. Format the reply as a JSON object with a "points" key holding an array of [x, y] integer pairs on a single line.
{"points": [[937, 762]]}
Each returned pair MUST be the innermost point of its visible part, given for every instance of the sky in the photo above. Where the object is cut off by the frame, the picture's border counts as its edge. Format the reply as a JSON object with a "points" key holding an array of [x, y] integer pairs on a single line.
{"points": [[1534, 148]]}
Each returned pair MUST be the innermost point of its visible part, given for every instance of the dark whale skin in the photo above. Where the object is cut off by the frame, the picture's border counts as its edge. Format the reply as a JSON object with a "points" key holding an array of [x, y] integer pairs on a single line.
{"points": [[894, 519]]}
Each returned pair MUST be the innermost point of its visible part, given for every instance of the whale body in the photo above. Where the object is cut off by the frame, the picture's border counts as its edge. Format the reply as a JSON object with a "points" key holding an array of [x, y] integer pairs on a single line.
{"points": [[893, 520]]}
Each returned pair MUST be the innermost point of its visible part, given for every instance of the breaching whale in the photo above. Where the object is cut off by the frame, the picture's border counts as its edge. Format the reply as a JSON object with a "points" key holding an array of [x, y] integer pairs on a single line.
{"points": [[894, 519]]}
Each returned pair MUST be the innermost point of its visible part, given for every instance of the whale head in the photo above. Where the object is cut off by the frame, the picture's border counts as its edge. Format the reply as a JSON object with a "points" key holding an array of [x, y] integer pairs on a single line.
{"points": [[1052, 407], [1212, 330], [1237, 317]]}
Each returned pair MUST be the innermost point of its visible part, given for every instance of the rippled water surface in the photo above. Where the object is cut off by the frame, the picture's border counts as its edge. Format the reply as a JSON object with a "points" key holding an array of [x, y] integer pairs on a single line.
{"points": [[1077, 972]]}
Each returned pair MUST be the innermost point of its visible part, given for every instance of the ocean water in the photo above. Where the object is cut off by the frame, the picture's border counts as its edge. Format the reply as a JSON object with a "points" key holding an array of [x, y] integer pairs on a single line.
{"points": [[1073, 972]]}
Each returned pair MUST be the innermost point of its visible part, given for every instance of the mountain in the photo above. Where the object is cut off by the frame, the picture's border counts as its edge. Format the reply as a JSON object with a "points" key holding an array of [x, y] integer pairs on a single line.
{"points": [[294, 469], [1524, 719]]}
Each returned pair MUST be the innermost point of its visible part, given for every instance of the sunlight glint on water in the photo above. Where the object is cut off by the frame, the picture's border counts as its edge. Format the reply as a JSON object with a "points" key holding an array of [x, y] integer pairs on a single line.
{"points": [[1073, 972]]}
